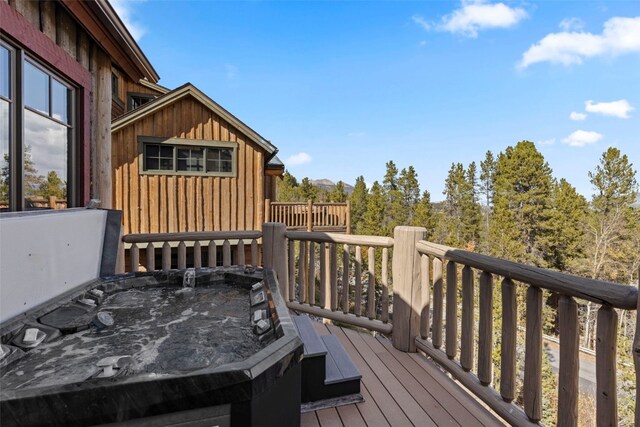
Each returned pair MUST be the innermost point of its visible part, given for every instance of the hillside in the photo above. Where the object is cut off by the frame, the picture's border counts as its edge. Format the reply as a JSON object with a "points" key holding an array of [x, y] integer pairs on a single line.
{"points": [[328, 185]]}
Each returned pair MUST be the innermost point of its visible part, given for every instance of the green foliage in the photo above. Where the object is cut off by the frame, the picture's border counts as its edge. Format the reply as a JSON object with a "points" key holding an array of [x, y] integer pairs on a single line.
{"points": [[423, 215], [338, 194], [461, 208], [373, 218], [308, 191], [288, 188], [358, 204], [53, 186], [521, 204]]}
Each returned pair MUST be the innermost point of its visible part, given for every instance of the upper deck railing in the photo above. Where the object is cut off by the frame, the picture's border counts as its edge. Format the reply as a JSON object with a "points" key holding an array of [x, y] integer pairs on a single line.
{"points": [[310, 215]]}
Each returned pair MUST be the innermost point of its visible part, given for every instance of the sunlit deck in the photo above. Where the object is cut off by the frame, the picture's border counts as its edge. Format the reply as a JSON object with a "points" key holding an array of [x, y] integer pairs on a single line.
{"points": [[400, 389]]}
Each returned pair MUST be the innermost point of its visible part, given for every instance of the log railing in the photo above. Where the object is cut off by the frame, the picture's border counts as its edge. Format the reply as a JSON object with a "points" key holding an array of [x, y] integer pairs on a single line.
{"points": [[195, 244], [311, 216], [440, 266], [325, 274]]}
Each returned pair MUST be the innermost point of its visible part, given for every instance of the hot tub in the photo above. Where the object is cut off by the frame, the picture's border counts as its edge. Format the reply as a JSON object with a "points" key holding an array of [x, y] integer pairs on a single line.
{"points": [[223, 353]]}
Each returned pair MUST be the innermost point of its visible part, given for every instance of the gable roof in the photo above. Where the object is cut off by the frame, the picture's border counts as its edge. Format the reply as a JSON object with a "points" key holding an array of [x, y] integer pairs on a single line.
{"points": [[182, 92]]}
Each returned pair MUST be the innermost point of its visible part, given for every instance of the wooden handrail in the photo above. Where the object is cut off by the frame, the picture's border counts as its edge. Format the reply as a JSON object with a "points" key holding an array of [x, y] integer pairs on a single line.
{"points": [[345, 239], [598, 291], [310, 216]]}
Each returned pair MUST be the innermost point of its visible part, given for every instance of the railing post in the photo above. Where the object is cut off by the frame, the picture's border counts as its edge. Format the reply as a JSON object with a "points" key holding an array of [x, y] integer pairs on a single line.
{"points": [[348, 219], [636, 354], [275, 253], [309, 215], [267, 210], [407, 296]]}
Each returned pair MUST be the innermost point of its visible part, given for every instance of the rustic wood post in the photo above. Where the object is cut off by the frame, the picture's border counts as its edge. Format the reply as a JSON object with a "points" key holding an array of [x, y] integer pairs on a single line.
{"points": [[407, 298], [102, 168], [348, 219], [274, 253], [309, 215], [120, 261], [267, 211], [52, 202]]}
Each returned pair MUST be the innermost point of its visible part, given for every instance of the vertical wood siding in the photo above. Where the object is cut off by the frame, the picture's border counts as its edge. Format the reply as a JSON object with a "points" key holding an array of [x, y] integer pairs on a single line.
{"points": [[161, 203]]}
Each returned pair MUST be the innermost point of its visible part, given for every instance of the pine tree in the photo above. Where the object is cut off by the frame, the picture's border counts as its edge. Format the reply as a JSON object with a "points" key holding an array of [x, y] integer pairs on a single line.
{"points": [[53, 186], [486, 187], [394, 213], [521, 204], [308, 191], [410, 191], [423, 215], [374, 215], [337, 194], [461, 209], [288, 188], [358, 204]]}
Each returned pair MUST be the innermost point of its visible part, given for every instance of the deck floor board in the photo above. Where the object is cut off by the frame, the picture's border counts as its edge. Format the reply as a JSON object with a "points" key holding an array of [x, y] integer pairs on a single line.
{"points": [[400, 389]]}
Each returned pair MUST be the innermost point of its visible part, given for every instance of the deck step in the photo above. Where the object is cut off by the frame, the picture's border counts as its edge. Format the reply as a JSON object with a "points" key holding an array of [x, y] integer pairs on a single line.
{"points": [[327, 370]]}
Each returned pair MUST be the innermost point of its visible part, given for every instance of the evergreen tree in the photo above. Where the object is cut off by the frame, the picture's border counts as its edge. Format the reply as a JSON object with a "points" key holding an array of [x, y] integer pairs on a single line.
{"points": [[564, 240], [374, 215], [486, 188], [461, 210], [288, 188], [410, 192], [423, 215], [394, 210], [53, 186], [338, 194], [520, 215], [308, 191], [358, 204]]}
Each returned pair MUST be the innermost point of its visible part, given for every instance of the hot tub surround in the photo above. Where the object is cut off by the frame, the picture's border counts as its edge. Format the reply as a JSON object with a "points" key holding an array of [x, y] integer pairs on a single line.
{"points": [[179, 356]]}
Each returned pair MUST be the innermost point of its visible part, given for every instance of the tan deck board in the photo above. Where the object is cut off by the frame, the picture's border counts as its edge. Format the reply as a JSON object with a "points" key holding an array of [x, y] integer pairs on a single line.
{"points": [[400, 389]]}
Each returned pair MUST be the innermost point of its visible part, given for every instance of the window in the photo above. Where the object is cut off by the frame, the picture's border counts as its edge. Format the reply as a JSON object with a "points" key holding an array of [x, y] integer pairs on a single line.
{"points": [[36, 127], [138, 99], [176, 156]]}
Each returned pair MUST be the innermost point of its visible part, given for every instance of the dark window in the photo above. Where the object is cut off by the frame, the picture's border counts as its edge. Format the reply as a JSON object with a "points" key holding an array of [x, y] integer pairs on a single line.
{"points": [[166, 158], [138, 100], [115, 86], [36, 156]]}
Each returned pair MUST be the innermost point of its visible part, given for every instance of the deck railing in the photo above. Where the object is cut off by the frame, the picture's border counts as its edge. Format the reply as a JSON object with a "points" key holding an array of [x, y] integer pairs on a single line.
{"points": [[429, 303], [179, 245], [440, 266], [311, 216]]}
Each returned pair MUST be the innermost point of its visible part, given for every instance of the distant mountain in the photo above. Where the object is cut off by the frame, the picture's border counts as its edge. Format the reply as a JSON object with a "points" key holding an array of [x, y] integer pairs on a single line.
{"points": [[327, 184]]}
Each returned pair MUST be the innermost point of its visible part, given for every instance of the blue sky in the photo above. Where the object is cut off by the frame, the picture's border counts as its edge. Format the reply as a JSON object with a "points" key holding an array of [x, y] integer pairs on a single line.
{"points": [[342, 87]]}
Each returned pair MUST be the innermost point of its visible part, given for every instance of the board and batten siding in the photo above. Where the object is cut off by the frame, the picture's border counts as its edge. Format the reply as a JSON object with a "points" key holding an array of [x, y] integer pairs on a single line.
{"points": [[175, 203]]}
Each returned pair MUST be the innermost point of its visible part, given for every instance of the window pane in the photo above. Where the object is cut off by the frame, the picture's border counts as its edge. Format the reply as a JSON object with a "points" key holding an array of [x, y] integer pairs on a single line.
{"points": [[166, 151], [225, 154], [60, 101], [166, 164], [152, 163], [4, 72], [152, 150], [45, 160], [226, 166], [213, 154], [213, 166], [5, 179], [36, 88]]}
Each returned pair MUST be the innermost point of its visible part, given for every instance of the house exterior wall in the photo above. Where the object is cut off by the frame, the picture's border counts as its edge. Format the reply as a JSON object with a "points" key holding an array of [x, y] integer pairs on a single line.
{"points": [[175, 203], [126, 86]]}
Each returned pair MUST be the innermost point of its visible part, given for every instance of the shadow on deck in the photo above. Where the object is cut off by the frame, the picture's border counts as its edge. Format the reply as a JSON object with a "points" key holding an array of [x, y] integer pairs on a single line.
{"points": [[400, 389]]}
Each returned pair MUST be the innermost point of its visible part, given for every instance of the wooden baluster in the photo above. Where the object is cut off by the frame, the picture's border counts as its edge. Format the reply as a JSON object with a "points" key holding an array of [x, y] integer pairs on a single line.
{"points": [[568, 375], [468, 322], [240, 254], [302, 272], [436, 328], [135, 257], [385, 285], [425, 288], [311, 277], [485, 328], [358, 296], [606, 348], [533, 356], [292, 269], [452, 310], [254, 252], [508, 346], [636, 355], [323, 274], [197, 254], [151, 257], [212, 254], [182, 256], [371, 283], [226, 253], [345, 279], [333, 268], [166, 256]]}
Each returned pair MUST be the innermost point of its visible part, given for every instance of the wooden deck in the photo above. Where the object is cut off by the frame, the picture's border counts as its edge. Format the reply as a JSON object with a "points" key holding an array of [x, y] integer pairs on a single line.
{"points": [[400, 389]]}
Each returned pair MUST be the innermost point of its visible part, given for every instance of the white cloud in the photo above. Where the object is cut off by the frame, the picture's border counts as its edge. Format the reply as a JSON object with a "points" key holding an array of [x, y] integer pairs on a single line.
{"points": [[549, 141], [578, 117], [571, 24], [474, 16], [421, 21], [124, 11], [620, 108], [619, 36], [580, 138], [298, 159]]}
